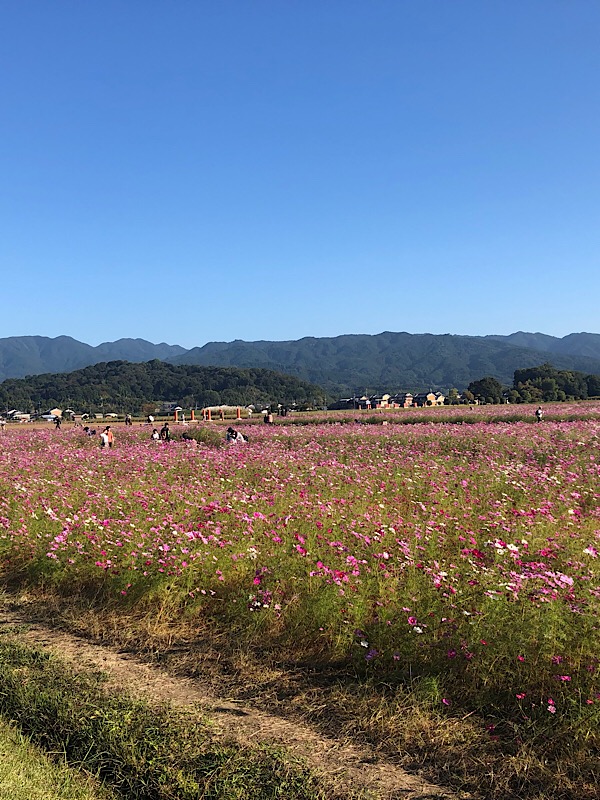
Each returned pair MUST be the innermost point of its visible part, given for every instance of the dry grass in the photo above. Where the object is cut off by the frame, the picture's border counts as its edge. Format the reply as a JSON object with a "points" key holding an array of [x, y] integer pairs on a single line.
{"points": [[450, 751]]}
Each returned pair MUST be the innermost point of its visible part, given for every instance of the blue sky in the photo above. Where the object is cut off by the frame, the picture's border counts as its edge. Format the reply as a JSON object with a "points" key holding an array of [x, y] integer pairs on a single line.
{"points": [[259, 169]]}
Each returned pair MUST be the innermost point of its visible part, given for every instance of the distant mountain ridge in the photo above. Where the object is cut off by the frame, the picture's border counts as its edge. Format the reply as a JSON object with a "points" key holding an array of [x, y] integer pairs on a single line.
{"points": [[392, 361], [34, 355], [342, 365], [579, 344]]}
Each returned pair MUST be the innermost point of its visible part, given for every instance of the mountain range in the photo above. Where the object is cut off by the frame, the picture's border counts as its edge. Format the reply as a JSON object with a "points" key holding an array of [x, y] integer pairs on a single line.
{"points": [[35, 355], [342, 365]]}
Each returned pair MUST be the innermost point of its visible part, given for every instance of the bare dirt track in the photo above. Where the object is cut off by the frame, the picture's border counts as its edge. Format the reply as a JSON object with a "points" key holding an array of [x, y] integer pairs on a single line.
{"points": [[352, 769]]}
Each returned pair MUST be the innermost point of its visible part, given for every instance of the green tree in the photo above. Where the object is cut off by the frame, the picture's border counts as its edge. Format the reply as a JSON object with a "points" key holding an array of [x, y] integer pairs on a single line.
{"points": [[452, 397], [549, 389], [210, 398], [487, 390], [548, 383], [593, 385]]}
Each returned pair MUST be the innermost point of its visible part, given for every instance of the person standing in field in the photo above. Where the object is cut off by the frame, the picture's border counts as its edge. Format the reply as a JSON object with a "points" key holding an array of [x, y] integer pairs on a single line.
{"points": [[57, 422], [103, 439], [165, 433], [107, 437], [539, 414]]}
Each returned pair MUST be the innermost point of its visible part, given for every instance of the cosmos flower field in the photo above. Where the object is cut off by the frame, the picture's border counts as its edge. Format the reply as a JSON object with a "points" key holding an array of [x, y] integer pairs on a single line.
{"points": [[463, 559]]}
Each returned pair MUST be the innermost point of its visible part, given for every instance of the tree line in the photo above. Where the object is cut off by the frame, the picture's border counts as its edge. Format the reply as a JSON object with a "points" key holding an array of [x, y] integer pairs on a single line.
{"points": [[123, 387], [539, 384]]}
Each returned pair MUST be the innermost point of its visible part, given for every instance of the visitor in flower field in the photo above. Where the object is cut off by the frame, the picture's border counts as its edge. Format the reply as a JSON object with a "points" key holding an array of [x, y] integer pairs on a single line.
{"points": [[165, 433], [231, 435], [107, 437], [539, 413], [235, 437], [128, 420], [155, 437], [57, 422]]}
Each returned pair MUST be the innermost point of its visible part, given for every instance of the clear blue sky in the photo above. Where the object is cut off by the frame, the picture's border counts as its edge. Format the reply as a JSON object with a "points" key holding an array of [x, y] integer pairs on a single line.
{"points": [[189, 171]]}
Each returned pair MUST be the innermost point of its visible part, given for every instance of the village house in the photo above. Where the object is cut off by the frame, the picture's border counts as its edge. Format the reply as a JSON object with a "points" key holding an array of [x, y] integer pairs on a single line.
{"points": [[14, 415], [386, 401], [401, 400], [428, 399], [379, 401]]}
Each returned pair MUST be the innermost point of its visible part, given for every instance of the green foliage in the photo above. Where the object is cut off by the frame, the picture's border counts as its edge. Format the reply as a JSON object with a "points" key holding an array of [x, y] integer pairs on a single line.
{"points": [[593, 385], [33, 355], [342, 365], [141, 752], [121, 386], [547, 383], [487, 390], [536, 384], [390, 361], [453, 397], [26, 773], [205, 434]]}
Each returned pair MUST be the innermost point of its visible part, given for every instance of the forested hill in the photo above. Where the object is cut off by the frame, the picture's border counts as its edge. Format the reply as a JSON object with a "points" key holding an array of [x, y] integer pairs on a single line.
{"points": [[119, 386], [398, 361]]}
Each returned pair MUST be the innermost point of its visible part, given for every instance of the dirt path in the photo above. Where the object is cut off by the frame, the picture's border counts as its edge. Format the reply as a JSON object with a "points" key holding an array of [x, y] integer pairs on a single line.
{"points": [[338, 763]]}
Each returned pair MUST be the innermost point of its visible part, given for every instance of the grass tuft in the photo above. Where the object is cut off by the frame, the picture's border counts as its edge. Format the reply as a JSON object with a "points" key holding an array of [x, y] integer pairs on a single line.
{"points": [[141, 752]]}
